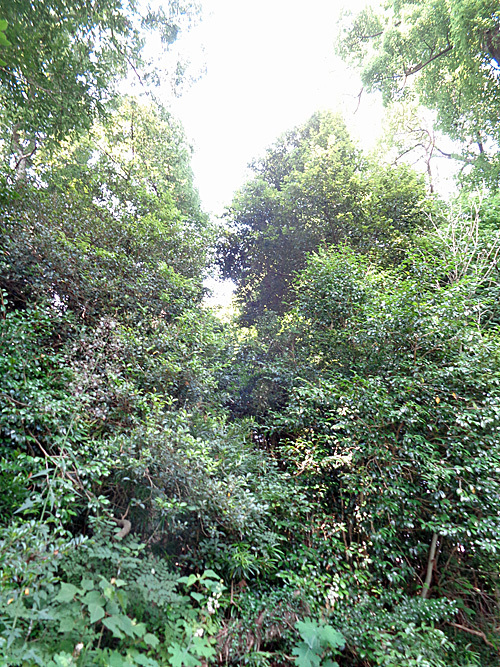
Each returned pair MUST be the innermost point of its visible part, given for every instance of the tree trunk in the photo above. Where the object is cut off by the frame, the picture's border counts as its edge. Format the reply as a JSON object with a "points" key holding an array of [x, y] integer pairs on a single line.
{"points": [[431, 564], [21, 154]]}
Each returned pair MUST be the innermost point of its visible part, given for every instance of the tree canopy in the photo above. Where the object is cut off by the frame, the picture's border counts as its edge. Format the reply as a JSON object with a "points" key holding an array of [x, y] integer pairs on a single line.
{"points": [[314, 187], [447, 54], [62, 61]]}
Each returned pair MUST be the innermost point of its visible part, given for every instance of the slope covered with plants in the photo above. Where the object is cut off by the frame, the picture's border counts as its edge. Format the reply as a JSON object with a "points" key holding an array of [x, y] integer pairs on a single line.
{"points": [[316, 482]]}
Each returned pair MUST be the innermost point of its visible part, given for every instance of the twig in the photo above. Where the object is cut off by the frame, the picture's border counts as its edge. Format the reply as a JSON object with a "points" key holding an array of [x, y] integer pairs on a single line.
{"points": [[13, 400], [359, 99], [417, 68], [477, 633]]}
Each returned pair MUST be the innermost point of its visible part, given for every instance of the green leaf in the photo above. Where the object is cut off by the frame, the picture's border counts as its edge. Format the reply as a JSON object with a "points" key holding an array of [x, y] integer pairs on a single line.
{"points": [[197, 596], [112, 623], [151, 640], [139, 629], [305, 657], [201, 647], [189, 581], [93, 597], [96, 612], [114, 659], [332, 637], [143, 660], [67, 624], [3, 25], [122, 623], [310, 633], [87, 584], [67, 593], [181, 656], [62, 659]]}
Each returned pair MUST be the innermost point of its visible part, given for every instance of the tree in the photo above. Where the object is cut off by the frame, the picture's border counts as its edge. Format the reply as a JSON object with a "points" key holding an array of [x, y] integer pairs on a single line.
{"points": [[392, 426], [137, 159], [62, 62], [302, 187], [447, 54], [313, 188], [117, 224]]}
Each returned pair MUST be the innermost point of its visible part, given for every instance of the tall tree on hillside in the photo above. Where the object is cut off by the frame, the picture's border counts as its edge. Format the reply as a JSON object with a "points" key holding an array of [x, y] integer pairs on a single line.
{"points": [[313, 188], [446, 53], [141, 154]]}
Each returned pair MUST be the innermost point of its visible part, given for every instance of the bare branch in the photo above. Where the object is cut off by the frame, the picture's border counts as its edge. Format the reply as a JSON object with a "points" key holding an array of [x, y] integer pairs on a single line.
{"points": [[417, 68], [359, 99], [471, 631]]}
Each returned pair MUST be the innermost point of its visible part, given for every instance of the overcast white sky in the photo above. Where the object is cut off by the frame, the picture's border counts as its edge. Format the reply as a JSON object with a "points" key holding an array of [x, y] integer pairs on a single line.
{"points": [[270, 66]]}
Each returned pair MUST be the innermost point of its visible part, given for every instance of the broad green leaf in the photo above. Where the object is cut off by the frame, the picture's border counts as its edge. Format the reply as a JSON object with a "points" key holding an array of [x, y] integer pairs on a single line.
{"points": [[113, 624], [62, 660], [93, 597], [143, 660], [310, 633], [331, 636], [305, 657], [87, 584], [114, 659], [197, 596], [189, 581], [181, 656], [66, 624], [96, 612], [139, 629], [125, 624], [67, 593], [201, 647], [151, 640]]}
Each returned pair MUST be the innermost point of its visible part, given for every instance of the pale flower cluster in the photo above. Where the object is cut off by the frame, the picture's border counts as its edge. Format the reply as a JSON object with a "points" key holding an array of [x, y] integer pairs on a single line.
{"points": [[213, 603]]}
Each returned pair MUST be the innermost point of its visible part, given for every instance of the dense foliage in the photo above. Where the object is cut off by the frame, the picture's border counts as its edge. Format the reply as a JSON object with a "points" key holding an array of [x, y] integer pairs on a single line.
{"points": [[61, 61], [314, 188], [447, 54], [316, 483]]}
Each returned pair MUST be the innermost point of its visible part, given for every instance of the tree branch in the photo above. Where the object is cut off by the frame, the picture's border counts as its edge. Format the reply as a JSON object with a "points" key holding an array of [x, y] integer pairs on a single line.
{"points": [[417, 68], [430, 567], [367, 37], [126, 527], [477, 633], [359, 99]]}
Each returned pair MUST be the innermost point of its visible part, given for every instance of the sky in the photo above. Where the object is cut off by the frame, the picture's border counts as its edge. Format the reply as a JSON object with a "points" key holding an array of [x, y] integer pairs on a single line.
{"points": [[270, 64]]}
